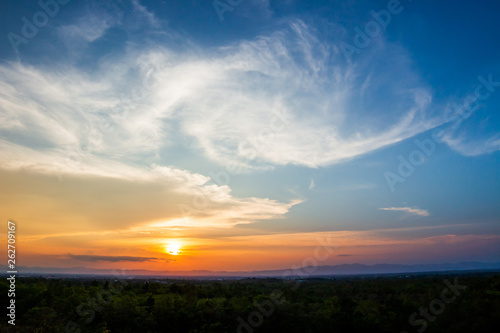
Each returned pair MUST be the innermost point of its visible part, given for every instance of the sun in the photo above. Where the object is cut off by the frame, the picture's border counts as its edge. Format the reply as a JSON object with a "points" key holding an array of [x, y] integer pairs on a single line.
{"points": [[174, 248]]}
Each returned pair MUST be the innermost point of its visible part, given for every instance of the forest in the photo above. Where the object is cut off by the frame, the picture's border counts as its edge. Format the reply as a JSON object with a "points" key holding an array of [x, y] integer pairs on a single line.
{"points": [[451, 302]]}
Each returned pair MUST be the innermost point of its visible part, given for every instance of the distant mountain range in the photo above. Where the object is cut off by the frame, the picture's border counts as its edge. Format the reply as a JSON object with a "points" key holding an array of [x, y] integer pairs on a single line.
{"points": [[309, 271]]}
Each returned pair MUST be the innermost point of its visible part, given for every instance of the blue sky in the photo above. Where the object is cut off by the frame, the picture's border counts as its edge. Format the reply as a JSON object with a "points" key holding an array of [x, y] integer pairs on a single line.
{"points": [[262, 123]]}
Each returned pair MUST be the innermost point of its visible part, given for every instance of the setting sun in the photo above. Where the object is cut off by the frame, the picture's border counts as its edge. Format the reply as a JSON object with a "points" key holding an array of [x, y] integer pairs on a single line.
{"points": [[174, 248]]}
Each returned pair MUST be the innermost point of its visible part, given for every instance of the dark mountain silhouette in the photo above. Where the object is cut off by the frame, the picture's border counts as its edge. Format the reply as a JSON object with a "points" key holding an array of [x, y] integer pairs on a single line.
{"points": [[309, 271]]}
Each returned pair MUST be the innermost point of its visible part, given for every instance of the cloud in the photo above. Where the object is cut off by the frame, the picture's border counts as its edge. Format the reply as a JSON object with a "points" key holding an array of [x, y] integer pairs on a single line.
{"points": [[98, 18], [94, 258], [470, 147], [316, 94], [89, 27], [149, 16], [413, 211], [312, 185], [285, 98], [158, 198], [465, 119]]}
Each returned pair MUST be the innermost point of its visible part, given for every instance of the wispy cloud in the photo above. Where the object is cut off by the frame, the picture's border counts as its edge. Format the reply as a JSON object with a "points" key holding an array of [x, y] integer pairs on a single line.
{"points": [[142, 10], [319, 98], [285, 98], [89, 27], [468, 147], [468, 117], [193, 201], [413, 211], [94, 258]]}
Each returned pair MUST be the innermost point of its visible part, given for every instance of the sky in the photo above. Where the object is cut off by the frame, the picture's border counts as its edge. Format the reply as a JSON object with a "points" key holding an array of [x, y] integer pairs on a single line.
{"points": [[247, 134]]}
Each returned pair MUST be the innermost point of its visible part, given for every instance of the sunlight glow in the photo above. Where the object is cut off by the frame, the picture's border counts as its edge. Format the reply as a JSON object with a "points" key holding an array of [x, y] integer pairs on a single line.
{"points": [[174, 248]]}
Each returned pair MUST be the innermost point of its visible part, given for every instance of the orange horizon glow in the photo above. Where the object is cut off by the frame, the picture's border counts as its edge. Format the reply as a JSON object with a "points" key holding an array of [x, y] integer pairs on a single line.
{"points": [[131, 233], [240, 253]]}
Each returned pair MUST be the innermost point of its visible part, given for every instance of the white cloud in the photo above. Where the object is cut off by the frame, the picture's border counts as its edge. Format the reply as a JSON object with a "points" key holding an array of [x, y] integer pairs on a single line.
{"points": [[470, 147], [149, 16], [90, 28], [413, 211], [465, 119], [280, 99], [199, 202], [231, 116]]}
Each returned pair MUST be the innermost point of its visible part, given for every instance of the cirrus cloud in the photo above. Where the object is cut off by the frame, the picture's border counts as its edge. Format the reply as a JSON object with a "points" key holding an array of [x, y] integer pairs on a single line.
{"points": [[410, 210]]}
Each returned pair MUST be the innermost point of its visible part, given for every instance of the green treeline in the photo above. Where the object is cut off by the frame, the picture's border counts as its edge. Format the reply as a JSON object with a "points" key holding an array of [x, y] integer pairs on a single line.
{"points": [[356, 304]]}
